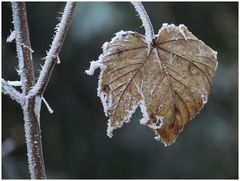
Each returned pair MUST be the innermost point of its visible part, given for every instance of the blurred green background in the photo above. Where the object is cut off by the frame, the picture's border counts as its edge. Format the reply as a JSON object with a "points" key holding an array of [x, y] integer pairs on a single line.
{"points": [[74, 136]]}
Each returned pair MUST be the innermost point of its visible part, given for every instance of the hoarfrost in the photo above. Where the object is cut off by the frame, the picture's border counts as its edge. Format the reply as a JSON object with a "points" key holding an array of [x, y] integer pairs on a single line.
{"points": [[37, 107], [145, 118], [11, 91], [54, 46], [164, 24], [93, 66], [158, 123], [216, 66], [109, 129], [11, 37], [171, 26], [47, 105], [215, 54], [58, 60], [105, 46], [149, 33], [182, 31], [157, 136], [19, 40], [119, 36], [204, 98], [28, 136], [14, 83], [25, 46], [98, 64], [104, 101]]}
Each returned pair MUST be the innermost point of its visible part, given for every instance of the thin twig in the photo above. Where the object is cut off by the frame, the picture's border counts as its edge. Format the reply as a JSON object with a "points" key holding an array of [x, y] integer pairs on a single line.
{"points": [[11, 91], [149, 32], [23, 46], [53, 53]]}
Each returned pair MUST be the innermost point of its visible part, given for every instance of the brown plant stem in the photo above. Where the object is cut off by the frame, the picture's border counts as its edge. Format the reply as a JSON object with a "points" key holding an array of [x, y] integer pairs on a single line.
{"points": [[31, 100], [31, 124]]}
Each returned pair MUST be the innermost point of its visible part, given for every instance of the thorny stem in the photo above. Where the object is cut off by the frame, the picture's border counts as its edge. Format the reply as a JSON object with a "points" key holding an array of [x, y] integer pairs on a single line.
{"points": [[31, 123], [30, 99], [149, 32]]}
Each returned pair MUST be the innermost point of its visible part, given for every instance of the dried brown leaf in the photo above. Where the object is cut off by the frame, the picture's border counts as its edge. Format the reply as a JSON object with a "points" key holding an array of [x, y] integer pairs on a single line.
{"points": [[170, 80]]}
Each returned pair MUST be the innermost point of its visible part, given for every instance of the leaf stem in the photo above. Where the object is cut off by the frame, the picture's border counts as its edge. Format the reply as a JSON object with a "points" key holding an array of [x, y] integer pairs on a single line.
{"points": [[149, 32]]}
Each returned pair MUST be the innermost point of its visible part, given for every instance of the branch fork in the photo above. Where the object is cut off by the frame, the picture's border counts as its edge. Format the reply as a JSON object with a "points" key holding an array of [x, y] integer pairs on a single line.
{"points": [[31, 96]]}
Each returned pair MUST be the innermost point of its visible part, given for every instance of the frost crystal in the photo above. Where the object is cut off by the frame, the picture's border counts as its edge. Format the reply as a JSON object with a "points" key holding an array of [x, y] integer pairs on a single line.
{"points": [[37, 108], [182, 31], [94, 65], [11, 91], [25, 46], [215, 54], [119, 36], [145, 118], [14, 83], [58, 60], [28, 135], [157, 136], [204, 98], [11, 37], [47, 105], [105, 46], [109, 129]]}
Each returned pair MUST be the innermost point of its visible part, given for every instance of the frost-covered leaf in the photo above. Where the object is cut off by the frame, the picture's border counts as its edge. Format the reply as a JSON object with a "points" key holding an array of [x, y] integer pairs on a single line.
{"points": [[171, 80]]}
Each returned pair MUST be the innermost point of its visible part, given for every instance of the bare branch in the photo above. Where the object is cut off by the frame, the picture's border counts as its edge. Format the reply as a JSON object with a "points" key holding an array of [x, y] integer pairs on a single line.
{"points": [[149, 32], [11, 91], [53, 53], [31, 101], [23, 46], [31, 106]]}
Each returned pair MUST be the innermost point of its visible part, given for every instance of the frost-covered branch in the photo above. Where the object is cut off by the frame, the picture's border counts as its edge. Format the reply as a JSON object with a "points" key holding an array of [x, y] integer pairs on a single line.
{"points": [[30, 106], [52, 55], [149, 32], [31, 97], [11, 91], [23, 46]]}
